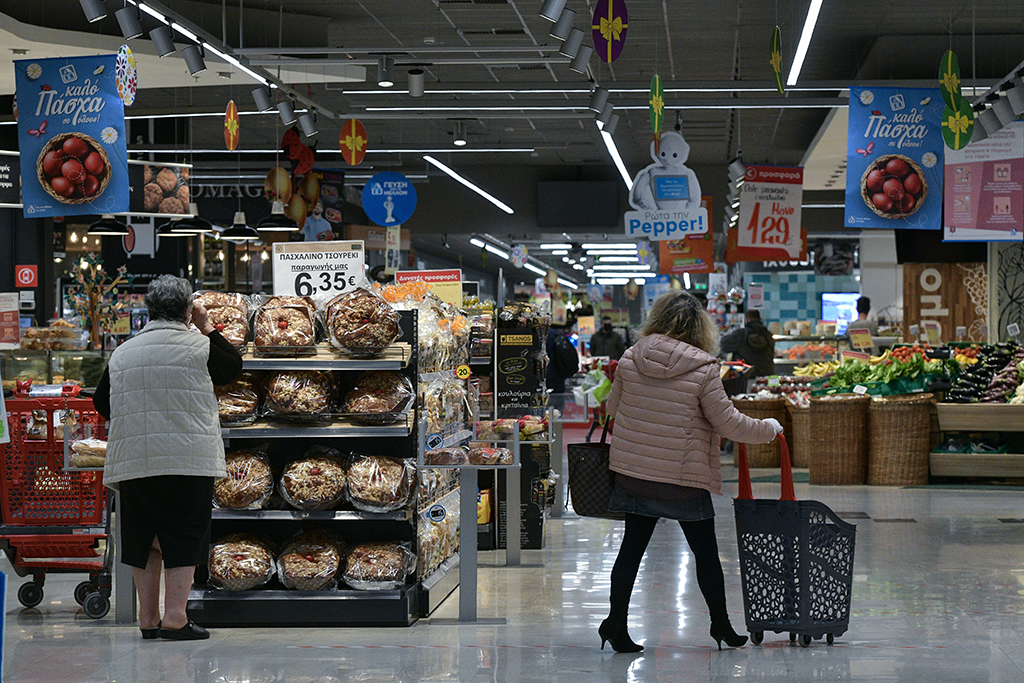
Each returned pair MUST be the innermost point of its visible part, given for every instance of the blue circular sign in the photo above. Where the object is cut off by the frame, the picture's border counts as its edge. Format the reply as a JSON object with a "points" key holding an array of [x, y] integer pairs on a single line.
{"points": [[389, 198]]}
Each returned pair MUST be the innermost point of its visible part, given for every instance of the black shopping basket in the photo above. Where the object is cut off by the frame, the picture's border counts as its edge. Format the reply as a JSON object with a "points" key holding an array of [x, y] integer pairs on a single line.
{"points": [[796, 561]]}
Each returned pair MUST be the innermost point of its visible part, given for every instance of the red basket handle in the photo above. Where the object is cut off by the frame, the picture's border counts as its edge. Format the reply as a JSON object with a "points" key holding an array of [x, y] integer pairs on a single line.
{"points": [[745, 492]]}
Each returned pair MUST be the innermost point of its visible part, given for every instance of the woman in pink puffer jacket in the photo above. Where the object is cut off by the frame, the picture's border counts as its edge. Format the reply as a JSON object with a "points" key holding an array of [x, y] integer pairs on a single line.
{"points": [[670, 413]]}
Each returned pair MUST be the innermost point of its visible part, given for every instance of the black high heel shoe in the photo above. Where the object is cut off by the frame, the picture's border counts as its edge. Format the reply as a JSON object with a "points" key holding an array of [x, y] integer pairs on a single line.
{"points": [[618, 637], [723, 631]]}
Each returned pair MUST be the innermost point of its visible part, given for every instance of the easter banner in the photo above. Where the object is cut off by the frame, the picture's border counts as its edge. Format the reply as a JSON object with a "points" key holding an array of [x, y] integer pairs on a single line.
{"points": [[894, 158], [71, 136]]}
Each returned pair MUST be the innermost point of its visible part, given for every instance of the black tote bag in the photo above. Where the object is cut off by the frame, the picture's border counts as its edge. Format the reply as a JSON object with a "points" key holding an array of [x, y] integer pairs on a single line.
{"points": [[590, 480]]}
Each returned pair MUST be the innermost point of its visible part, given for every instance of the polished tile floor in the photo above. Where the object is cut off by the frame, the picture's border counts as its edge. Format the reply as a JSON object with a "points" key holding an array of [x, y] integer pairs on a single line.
{"points": [[938, 596]]}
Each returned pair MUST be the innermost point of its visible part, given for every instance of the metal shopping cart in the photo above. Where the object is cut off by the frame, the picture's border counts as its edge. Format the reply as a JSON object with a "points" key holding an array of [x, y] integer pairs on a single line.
{"points": [[54, 519], [796, 561]]}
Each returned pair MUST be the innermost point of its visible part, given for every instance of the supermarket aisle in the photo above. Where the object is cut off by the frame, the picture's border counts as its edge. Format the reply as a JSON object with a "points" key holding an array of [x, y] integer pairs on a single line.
{"points": [[939, 596]]}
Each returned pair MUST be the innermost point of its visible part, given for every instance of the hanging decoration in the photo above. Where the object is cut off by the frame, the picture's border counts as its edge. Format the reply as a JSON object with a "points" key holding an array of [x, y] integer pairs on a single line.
{"points": [[126, 73], [94, 295], [656, 107], [300, 155], [957, 115], [949, 80], [644, 252], [231, 126], [776, 60], [278, 185], [353, 142], [632, 289], [551, 280], [518, 256], [14, 106], [609, 29]]}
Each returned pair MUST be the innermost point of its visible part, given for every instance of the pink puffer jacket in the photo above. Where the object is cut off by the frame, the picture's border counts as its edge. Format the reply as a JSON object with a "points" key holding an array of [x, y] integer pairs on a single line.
{"points": [[670, 410]]}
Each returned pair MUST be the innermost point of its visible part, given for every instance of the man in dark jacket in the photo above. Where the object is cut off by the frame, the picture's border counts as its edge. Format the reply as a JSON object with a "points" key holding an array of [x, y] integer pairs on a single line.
{"points": [[606, 341], [753, 344], [563, 361]]}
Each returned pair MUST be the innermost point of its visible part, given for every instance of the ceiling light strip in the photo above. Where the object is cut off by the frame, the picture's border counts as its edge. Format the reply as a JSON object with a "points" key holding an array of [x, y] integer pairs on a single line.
{"points": [[805, 41], [489, 197], [609, 143]]}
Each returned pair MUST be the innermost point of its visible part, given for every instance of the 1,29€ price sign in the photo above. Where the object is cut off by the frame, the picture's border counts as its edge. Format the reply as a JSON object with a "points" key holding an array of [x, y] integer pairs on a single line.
{"points": [[770, 205], [312, 268]]}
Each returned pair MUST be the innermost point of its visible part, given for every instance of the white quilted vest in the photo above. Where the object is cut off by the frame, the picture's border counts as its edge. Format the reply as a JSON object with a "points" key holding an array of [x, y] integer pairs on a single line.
{"points": [[163, 412]]}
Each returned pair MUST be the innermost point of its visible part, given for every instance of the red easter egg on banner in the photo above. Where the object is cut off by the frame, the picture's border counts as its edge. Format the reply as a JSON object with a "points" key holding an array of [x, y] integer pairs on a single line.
{"points": [[353, 142], [231, 126], [609, 29]]}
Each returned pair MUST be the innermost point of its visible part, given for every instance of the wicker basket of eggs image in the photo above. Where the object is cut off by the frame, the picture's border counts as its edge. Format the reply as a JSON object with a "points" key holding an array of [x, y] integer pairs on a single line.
{"points": [[73, 168], [893, 186]]}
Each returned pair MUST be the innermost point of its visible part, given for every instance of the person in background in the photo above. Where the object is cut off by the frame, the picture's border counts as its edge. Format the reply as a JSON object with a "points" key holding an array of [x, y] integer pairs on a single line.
{"points": [[606, 341], [753, 344], [862, 322], [165, 449], [563, 360], [670, 410], [316, 228]]}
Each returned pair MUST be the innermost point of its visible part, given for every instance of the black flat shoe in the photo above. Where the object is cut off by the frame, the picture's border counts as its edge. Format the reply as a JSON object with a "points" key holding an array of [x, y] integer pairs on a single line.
{"points": [[187, 632], [151, 633], [618, 637]]}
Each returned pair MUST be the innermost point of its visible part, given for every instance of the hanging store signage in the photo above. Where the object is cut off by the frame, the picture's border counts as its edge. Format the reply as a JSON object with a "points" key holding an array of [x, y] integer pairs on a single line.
{"points": [[950, 294], [755, 295], [392, 249], [609, 27], [71, 136], [353, 142], [735, 253], [770, 209], [446, 284], [127, 75], [984, 199], [231, 126], [389, 198], [894, 158], [10, 180], [692, 254], [516, 377], [159, 189], [9, 322], [776, 60], [666, 195], [310, 268]]}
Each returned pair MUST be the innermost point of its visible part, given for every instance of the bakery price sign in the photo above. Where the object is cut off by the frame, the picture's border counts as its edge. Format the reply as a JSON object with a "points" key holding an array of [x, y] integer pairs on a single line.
{"points": [[770, 208], [324, 268]]}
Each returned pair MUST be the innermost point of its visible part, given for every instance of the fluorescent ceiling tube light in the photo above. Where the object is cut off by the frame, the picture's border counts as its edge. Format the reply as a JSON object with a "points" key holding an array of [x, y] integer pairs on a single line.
{"points": [[477, 243], [805, 41], [566, 283], [496, 251], [552, 9], [635, 266], [561, 28], [613, 281], [533, 269], [559, 252], [163, 41], [619, 259], [94, 9], [565, 259], [577, 266], [631, 276], [128, 20], [555, 246], [613, 151], [492, 199], [612, 245]]}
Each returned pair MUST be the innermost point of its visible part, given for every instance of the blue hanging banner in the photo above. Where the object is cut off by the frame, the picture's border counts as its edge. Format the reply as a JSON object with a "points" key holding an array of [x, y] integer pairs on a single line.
{"points": [[71, 136], [894, 158], [389, 198]]}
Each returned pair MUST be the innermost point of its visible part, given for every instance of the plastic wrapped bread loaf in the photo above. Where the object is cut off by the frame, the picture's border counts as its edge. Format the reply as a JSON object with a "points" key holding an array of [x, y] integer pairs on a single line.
{"points": [[248, 484], [379, 484], [316, 481], [241, 562], [378, 566]]}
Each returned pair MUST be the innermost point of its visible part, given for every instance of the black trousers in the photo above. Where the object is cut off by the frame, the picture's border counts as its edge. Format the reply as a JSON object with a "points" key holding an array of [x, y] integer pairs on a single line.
{"points": [[702, 541]]}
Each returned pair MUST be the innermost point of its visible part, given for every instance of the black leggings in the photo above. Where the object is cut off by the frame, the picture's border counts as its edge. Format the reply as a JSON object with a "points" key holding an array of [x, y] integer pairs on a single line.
{"points": [[702, 541]]}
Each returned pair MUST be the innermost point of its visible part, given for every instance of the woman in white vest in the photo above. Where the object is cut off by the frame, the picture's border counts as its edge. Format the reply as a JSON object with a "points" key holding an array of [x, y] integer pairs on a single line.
{"points": [[165, 449]]}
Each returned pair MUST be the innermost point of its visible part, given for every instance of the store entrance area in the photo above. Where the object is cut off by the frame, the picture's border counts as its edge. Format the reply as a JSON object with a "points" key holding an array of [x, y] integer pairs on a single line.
{"points": [[937, 597]]}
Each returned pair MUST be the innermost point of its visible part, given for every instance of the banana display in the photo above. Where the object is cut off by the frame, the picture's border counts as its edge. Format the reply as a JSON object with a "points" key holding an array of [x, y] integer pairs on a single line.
{"points": [[815, 370]]}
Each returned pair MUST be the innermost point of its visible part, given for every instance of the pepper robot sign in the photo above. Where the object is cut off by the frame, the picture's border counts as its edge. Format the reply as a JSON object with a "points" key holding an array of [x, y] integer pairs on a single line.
{"points": [[666, 195]]}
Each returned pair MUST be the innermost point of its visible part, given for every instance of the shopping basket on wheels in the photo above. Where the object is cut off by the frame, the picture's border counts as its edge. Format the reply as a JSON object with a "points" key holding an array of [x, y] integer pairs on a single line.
{"points": [[796, 561], [54, 519]]}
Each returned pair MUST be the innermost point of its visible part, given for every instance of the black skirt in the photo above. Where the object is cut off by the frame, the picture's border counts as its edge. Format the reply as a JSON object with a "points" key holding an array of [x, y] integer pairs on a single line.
{"points": [[173, 509]]}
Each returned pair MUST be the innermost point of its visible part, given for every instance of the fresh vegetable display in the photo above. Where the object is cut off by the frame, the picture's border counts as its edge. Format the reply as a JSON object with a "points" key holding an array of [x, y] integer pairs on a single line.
{"points": [[1005, 382], [973, 383]]}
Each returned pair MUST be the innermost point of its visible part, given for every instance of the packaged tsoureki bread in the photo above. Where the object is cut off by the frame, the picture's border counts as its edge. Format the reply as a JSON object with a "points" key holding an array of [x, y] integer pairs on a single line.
{"points": [[285, 325], [361, 322], [379, 484], [241, 562], [315, 481]]}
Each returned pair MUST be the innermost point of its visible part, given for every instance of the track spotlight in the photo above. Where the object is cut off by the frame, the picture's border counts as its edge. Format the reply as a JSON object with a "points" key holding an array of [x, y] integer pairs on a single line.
{"points": [[163, 40], [385, 72], [108, 225], [552, 9], [1015, 94], [571, 45], [989, 121], [416, 82], [562, 27], [239, 230], [94, 9], [287, 111], [598, 99], [605, 115], [737, 171], [129, 20], [979, 133], [612, 124], [307, 123], [1004, 112], [193, 56], [581, 60], [261, 96], [459, 136]]}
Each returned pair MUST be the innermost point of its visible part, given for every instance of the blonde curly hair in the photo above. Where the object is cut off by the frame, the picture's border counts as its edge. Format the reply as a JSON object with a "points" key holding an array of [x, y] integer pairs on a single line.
{"points": [[678, 314]]}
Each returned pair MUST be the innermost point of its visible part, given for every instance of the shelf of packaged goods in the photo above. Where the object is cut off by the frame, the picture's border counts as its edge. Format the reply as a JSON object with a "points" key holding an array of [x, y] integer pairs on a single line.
{"points": [[315, 515], [981, 417], [304, 608], [995, 465], [395, 357], [439, 585], [480, 360], [336, 427]]}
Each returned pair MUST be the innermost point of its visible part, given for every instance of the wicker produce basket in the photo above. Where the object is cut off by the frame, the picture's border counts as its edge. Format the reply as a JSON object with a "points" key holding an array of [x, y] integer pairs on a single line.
{"points": [[900, 440], [763, 454], [837, 446], [801, 418]]}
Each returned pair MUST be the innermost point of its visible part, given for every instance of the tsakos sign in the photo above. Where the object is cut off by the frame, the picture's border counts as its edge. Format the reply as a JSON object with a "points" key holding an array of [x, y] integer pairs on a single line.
{"points": [[666, 195]]}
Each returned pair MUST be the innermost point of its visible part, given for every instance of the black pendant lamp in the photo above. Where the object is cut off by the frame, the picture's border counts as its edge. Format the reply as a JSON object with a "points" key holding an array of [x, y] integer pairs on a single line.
{"points": [[239, 230], [193, 225], [108, 225], [277, 221]]}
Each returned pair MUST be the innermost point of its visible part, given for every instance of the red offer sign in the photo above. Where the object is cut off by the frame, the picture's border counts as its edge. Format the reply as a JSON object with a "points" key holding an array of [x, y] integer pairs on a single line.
{"points": [[26, 276], [770, 205]]}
